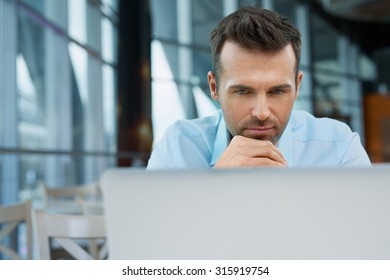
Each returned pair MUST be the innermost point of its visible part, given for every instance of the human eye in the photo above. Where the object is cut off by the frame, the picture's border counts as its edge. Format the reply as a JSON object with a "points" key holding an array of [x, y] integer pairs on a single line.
{"points": [[277, 91], [241, 91]]}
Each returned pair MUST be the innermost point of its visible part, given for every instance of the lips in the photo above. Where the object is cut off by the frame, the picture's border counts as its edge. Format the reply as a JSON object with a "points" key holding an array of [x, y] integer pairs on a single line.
{"points": [[259, 132], [260, 128]]}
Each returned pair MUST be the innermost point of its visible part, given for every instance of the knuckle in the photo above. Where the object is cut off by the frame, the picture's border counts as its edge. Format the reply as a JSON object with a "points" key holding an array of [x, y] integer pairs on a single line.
{"points": [[268, 151], [268, 143]]}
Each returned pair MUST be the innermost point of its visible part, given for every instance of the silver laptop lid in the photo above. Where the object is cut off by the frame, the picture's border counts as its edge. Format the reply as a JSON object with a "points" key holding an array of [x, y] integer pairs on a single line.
{"points": [[248, 214]]}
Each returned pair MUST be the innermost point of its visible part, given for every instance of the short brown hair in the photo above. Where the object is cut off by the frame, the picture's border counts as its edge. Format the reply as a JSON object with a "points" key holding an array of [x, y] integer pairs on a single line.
{"points": [[254, 28]]}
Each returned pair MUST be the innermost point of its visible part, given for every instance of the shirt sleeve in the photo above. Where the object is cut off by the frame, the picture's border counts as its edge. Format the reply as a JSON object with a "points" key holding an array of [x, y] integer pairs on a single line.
{"points": [[181, 148], [355, 155], [159, 159]]}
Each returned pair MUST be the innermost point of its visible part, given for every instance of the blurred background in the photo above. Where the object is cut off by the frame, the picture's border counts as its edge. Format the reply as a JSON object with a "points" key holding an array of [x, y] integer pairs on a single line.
{"points": [[89, 84]]}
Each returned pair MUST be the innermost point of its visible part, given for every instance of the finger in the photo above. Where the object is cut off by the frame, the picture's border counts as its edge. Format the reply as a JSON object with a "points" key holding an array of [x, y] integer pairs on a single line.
{"points": [[260, 148], [266, 162], [270, 151]]}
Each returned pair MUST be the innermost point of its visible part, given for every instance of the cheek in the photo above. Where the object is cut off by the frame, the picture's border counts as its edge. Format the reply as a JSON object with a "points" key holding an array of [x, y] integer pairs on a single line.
{"points": [[233, 113], [282, 109], [234, 109], [228, 111]]}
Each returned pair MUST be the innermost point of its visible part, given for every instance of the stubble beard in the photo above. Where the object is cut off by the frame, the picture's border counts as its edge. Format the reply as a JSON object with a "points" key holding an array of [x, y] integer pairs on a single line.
{"points": [[267, 123]]}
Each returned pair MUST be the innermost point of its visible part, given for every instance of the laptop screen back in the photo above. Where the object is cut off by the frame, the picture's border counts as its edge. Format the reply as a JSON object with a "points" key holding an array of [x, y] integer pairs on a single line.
{"points": [[248, 214]]}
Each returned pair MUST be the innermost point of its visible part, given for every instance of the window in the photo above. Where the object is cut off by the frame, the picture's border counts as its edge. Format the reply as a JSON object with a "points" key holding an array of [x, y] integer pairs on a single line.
{"points": [[64, 91]]}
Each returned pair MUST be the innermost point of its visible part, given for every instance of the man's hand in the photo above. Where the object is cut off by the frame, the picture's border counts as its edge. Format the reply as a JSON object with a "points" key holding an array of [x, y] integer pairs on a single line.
{"points": [[248, 152]]}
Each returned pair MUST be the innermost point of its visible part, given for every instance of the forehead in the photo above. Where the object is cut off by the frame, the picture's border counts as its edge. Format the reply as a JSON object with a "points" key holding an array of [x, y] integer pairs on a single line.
{"points": [[238, 63], [232, 51]]}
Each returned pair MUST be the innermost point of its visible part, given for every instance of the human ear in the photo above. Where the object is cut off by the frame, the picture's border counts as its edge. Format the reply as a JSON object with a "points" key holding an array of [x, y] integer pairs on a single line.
{"points": [[212, 85], [298, 82]]}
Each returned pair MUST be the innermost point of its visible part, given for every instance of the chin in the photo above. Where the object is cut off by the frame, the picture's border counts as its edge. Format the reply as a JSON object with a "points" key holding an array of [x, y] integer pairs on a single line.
{"points": [[259, 137], [272, 138]]}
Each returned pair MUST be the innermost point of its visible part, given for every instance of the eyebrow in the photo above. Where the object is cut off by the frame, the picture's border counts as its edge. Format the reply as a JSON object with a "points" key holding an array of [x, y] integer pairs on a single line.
{"points": [[282, 86], [239, 86]]}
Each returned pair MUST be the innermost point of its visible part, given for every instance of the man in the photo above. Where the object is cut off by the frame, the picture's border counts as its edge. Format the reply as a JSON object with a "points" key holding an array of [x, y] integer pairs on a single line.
{"points": [[256, 80]]}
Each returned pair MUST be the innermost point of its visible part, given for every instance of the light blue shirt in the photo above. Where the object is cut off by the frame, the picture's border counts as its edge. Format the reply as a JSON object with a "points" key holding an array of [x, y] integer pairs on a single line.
{"points": [[306, 142]]}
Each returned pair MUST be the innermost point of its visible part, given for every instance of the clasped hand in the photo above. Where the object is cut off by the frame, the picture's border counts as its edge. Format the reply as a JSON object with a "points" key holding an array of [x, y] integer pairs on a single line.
{"points": [[248, 152]]}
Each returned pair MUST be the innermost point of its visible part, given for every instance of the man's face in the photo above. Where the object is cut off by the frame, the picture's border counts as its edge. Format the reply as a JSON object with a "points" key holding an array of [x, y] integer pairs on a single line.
{"points": [[256, 90]]}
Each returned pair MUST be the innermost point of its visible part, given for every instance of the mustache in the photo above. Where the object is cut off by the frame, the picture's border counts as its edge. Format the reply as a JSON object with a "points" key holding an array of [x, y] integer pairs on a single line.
{"points": [[254, 122]]}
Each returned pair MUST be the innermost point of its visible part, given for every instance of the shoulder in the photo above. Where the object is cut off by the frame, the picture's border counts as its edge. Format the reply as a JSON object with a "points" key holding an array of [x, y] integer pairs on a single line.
{"points": [[186, 144], [195, 127], [307, 127]]}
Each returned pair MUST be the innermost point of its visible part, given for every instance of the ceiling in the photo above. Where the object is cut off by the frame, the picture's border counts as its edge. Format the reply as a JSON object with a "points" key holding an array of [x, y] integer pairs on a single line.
{"points": [[360, 10], [365, 21]]}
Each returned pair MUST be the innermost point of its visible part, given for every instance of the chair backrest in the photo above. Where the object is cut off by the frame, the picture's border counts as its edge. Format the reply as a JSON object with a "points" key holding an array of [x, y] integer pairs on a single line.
{"points": [[64, 199], [10, 217], [97, 248], [94, 207], [66, 230]]}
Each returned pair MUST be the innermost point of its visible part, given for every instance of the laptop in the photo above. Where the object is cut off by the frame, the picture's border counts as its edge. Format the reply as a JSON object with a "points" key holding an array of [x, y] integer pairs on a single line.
{"points": [[247, 214]]}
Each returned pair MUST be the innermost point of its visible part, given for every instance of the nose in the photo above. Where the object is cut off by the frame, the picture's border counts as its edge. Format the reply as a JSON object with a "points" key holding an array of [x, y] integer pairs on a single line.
{"points": [[260, 108]]}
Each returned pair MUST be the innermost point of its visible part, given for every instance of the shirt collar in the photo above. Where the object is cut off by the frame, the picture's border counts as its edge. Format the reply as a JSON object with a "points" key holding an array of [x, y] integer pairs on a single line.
{"points": [[222, 140], [285, 144]]}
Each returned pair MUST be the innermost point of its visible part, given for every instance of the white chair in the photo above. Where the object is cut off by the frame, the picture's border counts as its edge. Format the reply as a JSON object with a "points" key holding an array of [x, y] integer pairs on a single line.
{"points": [[90, 207], [67, 230], [64, 199], [97, 248], [10, 217]]}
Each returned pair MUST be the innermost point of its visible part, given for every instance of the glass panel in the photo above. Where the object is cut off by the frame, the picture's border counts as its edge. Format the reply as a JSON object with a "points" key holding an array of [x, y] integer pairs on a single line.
{"points": [[1, 117], [303, 103], [109, 7], [206, 15], [245, 3], [332, 89], [328, 94], [355, 112], [304, 100], [285, 8], [2, 74], [51, 10], [204, 104], [37, 5], [164, 61], [166, 107], [31, 79], [45, 110], [28, 99], [83, 24], [109, 108], [166, 103], [202, 65], [33, 169], [93, 26], [78, 57], [367, 68], [354, 90], [77, 21], [164, 19], [382, 60], [325, 45], [109, 41]]}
